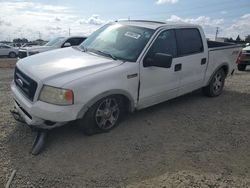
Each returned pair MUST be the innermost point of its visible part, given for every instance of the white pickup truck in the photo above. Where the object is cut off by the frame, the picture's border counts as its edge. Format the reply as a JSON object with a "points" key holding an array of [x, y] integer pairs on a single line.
{"points": [[123, 66]]}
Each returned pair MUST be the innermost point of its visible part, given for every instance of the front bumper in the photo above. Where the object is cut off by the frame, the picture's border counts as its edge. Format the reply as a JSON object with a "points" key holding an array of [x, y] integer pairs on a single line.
{"points": [[42, 115], [22, 54]]}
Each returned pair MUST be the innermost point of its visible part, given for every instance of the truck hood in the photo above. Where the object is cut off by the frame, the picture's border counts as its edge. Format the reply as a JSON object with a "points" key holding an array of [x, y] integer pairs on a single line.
{"points": [[65, 64], [38, 48]]}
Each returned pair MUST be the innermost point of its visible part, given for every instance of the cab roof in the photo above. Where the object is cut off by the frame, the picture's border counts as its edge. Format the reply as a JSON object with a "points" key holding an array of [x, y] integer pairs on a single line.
{"points": [[155, 24]]}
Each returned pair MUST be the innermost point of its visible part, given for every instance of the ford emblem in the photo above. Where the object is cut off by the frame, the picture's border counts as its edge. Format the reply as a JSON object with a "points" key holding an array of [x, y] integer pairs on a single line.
{"points": [[19, 82]]}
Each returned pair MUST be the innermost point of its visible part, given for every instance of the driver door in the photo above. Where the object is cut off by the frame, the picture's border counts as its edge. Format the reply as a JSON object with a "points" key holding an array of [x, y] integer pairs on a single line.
{"points": [[158, 84]]}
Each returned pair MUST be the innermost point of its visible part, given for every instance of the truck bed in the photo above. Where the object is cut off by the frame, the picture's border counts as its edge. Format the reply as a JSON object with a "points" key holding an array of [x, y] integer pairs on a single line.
{"points": [[220, 53], [215, 44]]}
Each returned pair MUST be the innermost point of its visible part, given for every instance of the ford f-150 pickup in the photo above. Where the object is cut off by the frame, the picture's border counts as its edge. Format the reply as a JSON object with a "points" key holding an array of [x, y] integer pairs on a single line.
{"points": [[123, 66]]}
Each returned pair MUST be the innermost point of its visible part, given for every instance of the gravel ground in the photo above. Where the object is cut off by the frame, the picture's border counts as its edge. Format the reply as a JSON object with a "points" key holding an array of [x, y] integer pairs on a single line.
{"points": [[7, 62], [191, 141]]}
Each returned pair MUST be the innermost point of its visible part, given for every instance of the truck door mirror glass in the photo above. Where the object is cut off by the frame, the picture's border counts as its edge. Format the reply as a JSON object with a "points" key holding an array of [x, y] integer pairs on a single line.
{"points": [[159, 60], [67, 44]]}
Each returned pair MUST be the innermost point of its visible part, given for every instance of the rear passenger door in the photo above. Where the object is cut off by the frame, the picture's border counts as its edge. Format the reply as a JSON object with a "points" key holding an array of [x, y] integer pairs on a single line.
{"points": [[191, 58]]}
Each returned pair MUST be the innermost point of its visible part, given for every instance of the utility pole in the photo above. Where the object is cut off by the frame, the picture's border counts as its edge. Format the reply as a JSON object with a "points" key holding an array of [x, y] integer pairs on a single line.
{"points": [[69, 31], [217, 32], [39, 34]]}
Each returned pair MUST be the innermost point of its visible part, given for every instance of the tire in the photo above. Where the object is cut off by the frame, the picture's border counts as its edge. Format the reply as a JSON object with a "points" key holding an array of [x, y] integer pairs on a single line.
{"points": [[242, 67], [12, 55], [216, 84], [103, 116]]}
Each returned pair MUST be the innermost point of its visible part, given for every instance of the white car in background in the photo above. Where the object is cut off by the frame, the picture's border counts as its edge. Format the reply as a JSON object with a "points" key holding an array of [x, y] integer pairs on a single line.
{"points": [[59, 42], [6, 50], [30, 44]]}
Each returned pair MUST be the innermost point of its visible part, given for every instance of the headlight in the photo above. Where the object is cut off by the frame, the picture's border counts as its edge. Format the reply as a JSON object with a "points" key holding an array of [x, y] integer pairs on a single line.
{"points": [[56, 96], [33, 52]]}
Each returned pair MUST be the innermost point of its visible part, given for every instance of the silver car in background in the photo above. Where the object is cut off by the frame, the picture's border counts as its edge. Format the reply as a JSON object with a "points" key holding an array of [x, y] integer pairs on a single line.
{"points": [[6, 50], [56, 43]]}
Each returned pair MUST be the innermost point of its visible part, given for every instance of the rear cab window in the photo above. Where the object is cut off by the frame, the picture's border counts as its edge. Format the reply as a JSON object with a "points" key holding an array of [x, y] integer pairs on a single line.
{"points": [[189, 41]]}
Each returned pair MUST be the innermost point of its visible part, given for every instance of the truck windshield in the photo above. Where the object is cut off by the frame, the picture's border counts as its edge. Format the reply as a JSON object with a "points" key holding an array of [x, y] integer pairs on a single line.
{"points": [[118, 41], [55, 42]]}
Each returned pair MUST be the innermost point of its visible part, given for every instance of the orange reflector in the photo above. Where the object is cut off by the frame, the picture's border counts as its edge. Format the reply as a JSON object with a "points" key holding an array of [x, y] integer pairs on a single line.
{"points": [[68, 95]]}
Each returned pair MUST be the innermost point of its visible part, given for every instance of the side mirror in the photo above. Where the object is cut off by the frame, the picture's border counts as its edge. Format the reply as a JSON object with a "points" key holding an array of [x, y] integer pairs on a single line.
{"points": [[160, 60], [67, 44]]}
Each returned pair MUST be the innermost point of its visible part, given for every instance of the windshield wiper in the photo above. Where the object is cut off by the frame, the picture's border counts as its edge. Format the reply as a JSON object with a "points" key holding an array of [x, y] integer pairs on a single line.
{"points": [[101, 53]]}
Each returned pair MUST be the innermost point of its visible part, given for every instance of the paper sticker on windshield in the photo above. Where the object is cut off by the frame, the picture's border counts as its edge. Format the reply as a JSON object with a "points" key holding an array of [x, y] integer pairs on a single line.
{"points": [[132, 35]]}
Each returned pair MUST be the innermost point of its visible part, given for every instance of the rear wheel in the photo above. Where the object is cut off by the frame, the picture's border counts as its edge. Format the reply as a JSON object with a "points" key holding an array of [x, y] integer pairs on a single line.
{"points": [[242, 67], [215, 86], [103, 116], [12, 54]]}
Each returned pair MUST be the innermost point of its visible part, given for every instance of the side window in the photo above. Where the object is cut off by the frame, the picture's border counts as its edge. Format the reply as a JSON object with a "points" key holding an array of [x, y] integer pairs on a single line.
{"points": [[70, 41], [189, 41], [74, 41], [80, 40], [165, 43]]}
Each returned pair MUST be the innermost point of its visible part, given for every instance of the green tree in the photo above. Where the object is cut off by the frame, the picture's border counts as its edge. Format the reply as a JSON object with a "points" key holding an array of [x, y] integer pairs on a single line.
{"points": [[19, 40], [238, 38]]}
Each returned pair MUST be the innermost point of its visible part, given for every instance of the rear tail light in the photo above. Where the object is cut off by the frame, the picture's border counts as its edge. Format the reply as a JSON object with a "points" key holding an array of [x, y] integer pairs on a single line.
{"points": [[238, 59]]}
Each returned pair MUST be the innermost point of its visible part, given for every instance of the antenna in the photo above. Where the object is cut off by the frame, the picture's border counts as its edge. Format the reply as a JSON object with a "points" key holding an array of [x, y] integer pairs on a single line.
{"points": [[217, 32], [39, 35]]}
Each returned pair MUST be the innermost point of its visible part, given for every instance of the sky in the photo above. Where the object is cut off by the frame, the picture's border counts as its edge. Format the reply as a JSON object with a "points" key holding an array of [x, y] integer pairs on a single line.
{"points": [[47, 19]]}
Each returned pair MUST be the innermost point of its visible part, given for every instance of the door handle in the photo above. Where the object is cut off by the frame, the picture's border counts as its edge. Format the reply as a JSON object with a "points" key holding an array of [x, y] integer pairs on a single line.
{"points": [[177, 67], [203, 61]]}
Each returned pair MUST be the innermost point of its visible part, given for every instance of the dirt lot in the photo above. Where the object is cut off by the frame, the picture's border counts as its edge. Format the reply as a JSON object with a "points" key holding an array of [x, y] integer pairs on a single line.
{"points": [[7, 62], [191, 141]]}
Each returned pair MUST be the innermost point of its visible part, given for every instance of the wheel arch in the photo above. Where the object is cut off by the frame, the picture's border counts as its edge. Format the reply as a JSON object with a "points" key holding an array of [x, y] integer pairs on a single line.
{"points": [[128, 99], [224, 66], [12, 52]]}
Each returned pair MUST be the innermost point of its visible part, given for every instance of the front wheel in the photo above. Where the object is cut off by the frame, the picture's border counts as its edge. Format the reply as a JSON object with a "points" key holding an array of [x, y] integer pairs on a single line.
{"points": [[215, 86], [103, 116], [12, 54]]}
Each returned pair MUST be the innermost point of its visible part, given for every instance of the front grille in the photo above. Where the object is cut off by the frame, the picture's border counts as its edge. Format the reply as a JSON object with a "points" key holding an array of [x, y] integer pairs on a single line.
{"points": [[25, 84], [22, 54], [248, 51]]}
